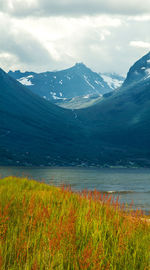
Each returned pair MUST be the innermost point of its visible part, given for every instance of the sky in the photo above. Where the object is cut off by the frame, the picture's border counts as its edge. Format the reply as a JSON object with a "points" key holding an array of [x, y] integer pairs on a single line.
{"points": [[47, 35]]}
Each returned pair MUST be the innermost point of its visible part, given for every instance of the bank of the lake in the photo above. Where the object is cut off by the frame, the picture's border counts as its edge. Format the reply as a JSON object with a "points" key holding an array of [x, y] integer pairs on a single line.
{"points": [[130, 184], [48, 227]]}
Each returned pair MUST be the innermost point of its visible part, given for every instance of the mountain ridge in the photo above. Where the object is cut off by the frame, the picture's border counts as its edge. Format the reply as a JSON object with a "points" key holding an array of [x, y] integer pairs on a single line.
{"points": [[114, 131], [139, 70], [63, 86]]}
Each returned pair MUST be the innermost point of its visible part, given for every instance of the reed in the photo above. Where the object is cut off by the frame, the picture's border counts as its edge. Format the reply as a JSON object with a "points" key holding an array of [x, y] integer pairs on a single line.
{"points": [[46, 227]]}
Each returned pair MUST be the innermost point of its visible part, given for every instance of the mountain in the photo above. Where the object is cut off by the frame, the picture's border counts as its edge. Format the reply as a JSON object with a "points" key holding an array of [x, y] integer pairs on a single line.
{"points": [[113, 80], [34, 131], [115, 131], [77, 81], [122, 120], [139, 71]]}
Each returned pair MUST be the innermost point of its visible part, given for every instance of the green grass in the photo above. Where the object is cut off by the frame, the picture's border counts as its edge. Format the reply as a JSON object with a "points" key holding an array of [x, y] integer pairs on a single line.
{"points": [[45, 227]]}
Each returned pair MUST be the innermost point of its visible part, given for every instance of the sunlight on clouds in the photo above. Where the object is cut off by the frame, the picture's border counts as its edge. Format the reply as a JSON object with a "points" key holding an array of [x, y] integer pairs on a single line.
{"points": [[8, 59], [142, 18], [140, 44], [5, 55], [103, 42], [104, 34], [58, 33], [52, 50], [104, 20], [10, 4]]}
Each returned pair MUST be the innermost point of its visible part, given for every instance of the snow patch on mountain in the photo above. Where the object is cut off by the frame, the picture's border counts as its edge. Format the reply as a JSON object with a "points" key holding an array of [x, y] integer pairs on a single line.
{"points": [[112, 83], [147, 72], [86, 79], [87, 96], [97, 82], [26, 80], [77, 81], [54, 96]]}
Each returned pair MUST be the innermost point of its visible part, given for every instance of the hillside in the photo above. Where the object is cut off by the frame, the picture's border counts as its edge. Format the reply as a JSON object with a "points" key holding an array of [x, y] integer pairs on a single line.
{"points": [[32, 130], [122, 120]]}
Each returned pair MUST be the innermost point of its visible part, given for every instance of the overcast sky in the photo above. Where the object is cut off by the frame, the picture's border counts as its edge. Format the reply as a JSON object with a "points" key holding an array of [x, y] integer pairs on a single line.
{"points": [[41, 35]]}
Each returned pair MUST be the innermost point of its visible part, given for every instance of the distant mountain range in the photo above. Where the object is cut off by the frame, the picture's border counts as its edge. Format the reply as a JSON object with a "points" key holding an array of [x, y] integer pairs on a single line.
{"points": [[115, 131], [74, 87]]}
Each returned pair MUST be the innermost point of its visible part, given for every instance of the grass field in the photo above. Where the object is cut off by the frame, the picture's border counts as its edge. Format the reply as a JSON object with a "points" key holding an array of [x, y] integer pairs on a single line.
{"points": [[45, 227]]}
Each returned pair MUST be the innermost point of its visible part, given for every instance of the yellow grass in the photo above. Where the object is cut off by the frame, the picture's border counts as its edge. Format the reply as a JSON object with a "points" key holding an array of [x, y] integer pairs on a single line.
{"points": [[45, 227]]}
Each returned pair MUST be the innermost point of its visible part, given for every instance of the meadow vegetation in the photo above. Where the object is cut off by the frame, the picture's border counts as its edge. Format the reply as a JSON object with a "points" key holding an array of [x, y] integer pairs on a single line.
{"points": [[48, 227]]}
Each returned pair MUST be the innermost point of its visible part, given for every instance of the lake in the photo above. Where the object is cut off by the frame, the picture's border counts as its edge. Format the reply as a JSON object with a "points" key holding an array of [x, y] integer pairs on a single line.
{"points": [[129, 184]]}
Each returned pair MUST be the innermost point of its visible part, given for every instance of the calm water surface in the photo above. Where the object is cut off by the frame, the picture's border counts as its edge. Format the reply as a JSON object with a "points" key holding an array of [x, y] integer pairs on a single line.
{"points": [[129, 184]]}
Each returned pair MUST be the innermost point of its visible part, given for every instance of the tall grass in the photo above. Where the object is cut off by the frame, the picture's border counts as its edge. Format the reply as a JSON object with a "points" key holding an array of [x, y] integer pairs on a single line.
{"points": [[45, 227]]}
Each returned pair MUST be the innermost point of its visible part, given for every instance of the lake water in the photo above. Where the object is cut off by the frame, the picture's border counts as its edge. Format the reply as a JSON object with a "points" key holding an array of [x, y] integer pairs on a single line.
{"points": [[129, 184]]}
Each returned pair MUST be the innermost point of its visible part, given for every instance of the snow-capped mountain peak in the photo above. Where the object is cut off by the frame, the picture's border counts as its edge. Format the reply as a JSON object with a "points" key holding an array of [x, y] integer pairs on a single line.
{"points": [[76, 81]]}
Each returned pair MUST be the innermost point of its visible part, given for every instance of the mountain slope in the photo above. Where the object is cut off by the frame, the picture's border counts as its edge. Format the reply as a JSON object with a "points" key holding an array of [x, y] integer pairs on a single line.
{"points": [[115, 131], [113, 80], [76, 81], [122, 123], [32, 130], [139, 71]]}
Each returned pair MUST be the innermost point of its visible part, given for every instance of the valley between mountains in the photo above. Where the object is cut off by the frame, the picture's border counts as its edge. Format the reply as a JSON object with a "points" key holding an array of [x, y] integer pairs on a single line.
{"points": [[101, 120]]}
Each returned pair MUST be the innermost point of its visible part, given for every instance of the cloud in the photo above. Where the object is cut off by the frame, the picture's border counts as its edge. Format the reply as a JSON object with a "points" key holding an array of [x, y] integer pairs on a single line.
{"points": [[63, 40], [140, 44], [31, 39], [19, 48], [140, 18], [74, 7], [101, 42]]}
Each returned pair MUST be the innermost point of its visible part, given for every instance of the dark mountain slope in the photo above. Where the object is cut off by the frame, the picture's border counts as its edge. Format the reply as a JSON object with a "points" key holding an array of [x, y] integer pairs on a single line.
{"points": [[122, 123], [32, 128]]}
